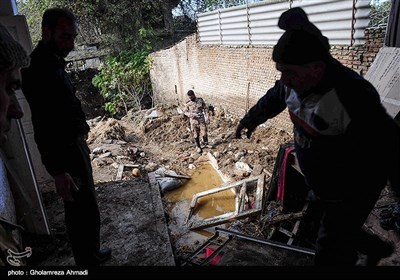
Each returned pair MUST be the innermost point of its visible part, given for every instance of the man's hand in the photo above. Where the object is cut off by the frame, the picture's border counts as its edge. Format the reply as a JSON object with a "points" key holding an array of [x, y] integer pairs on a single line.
{"points": [[239, 129], [249, 132], [65, 186]]}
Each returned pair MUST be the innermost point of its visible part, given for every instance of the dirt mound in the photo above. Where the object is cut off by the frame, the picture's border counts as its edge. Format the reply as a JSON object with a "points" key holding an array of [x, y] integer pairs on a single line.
{"points": [[168, 139], [110, 129], [162, 137]]}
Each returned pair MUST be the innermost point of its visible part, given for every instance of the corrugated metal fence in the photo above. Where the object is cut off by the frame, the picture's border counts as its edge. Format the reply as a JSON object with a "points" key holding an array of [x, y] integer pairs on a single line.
{"points": [[342, 21]]}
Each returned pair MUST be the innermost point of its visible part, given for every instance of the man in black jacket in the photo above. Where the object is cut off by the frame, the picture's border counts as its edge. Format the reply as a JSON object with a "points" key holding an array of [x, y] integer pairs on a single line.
{"points": [[344, 139], [61, 130]]}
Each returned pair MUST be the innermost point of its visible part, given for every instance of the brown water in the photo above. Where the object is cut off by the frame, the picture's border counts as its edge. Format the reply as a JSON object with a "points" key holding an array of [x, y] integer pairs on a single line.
{"points": [[204, 177]]}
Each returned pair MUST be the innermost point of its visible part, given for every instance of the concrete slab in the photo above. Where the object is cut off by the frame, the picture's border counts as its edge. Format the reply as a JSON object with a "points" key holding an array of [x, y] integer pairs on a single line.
{"points": [[133, 225], [138, 235]]}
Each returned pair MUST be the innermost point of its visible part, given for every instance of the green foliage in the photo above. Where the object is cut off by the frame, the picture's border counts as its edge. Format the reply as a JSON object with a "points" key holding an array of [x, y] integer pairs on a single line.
{"points": [[33, 10], [191, 7], [380, 12], [114, 25], [124, 81]]}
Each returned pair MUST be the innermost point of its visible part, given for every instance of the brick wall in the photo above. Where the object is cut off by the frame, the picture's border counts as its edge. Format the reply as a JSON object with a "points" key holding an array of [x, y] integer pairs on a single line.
{"points": [[235, 77]]}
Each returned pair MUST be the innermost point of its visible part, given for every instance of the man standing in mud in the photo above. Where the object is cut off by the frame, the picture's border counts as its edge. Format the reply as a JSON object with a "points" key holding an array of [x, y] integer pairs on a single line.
{"points": [[61, 130], [197, 112]]}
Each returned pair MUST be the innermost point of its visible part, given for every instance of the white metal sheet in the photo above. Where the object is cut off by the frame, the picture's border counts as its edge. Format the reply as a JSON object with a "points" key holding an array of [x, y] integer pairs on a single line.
{"points": [[384, 74]]}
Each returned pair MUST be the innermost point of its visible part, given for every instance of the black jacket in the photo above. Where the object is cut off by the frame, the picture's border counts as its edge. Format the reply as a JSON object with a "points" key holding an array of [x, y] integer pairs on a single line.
{"points": [[345, 141], [57, 115]]}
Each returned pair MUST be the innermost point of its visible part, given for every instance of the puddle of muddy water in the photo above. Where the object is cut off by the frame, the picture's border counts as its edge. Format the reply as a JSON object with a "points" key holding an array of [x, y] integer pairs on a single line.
{"points": [[203, 178]]}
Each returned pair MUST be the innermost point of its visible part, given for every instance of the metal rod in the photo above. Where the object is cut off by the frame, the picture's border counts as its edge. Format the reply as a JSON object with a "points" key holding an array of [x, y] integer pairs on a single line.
{"points": [[268, 242], [33, 175], [216, 252], [203, 246]]}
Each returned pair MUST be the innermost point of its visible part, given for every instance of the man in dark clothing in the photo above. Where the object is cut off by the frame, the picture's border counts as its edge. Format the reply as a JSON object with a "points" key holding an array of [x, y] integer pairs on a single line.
{"points": [[61, 130], [344, 139], [13, 57]]}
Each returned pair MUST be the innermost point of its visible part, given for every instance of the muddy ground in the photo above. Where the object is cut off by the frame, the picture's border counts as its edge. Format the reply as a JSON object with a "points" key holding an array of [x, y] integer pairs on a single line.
{"points": [[160, 138], [163, 140], [151, 143]]}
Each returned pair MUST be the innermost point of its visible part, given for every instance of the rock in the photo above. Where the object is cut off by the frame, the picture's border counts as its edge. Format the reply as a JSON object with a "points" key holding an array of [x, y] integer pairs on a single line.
{"points": [[241, 173], [151, 166], [242, 166], [132, 150], [239, 155], [192, 166], [97, 150], [257, 170], [108, 154], [168, 184], [136, 172]]}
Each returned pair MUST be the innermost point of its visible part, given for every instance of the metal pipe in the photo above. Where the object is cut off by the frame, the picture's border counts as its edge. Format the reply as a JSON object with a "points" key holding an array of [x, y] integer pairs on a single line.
{"points": [[268, 242], [33, 176]]}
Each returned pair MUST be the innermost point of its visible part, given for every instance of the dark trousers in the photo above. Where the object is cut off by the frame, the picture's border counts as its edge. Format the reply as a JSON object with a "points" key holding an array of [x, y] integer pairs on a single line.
{"points": [[82, 216], [340, 234]]}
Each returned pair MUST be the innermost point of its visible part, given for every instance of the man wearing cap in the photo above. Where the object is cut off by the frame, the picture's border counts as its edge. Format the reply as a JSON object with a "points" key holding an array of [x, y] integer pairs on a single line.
{"points": [[60, 131], [197, 112], [13, 57], [344, 139]]}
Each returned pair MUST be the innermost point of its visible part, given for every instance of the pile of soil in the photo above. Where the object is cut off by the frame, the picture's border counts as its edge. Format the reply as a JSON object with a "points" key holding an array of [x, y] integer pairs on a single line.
{"points": [[150, 139], [149, 142]]}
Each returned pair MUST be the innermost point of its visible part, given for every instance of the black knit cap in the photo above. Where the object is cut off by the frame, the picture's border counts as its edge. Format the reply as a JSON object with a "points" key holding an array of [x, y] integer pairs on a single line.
{"points": [[302, 42], [190, 93]]}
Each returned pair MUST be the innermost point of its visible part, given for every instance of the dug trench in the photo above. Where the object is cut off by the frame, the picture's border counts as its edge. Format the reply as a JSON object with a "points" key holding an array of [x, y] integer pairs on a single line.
{"points": [[128, 203], [146, 141]]}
